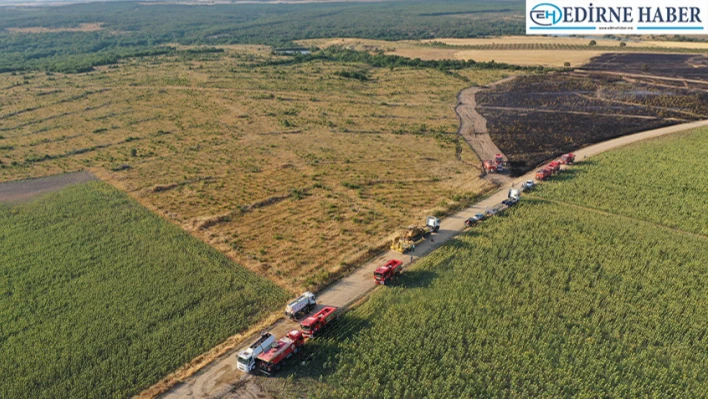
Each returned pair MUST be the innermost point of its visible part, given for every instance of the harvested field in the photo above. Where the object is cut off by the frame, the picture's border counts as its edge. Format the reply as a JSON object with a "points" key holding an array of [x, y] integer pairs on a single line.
{"points": [[536, 117], [291, 170]]}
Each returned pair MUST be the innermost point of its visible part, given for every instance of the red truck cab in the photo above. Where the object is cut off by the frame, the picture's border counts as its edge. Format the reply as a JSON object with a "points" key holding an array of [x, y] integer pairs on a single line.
{"points": [[555, 166], [568, 158], [384, 274], [490, 166], [499, 159], [315, 323]]}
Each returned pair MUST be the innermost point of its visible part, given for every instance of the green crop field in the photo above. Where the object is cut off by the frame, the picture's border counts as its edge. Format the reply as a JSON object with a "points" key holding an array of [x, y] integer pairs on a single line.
{"points": [[662, 181], [100, 298], [548, 300]]}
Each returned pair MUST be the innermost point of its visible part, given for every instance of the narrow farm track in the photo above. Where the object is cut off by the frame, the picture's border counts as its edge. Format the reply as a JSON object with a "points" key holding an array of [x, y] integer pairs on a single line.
{"points": [[220, 379]]}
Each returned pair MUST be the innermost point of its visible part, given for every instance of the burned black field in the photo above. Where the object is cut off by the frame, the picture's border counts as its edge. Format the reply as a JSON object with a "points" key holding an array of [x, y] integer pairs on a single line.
{"points": [[683, 66], [536, 117]]}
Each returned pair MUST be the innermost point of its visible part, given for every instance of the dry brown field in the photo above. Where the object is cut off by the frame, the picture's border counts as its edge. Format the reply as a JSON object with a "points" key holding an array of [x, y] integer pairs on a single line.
{"points": [[291, 170], [501, 40]]}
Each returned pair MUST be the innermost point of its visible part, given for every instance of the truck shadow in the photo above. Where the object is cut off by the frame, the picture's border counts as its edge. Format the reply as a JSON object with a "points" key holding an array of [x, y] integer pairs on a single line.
{"points": [[567, 174], [416, 279]]}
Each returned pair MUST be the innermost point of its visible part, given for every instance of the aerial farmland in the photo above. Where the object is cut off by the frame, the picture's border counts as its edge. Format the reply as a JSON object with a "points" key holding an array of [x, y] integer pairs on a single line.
{"points": [[347, 199]]}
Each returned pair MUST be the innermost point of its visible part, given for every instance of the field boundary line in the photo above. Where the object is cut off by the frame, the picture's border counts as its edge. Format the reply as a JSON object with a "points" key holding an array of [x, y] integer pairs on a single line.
{"points": [[607, 213]]}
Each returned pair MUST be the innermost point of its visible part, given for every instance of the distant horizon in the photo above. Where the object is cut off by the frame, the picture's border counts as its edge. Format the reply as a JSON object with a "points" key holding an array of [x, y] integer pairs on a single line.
{"points": [[39, 3]]}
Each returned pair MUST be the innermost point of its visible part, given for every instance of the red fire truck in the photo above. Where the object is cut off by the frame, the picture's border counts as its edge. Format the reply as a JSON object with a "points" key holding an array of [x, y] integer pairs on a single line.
{"points": [[384, 274], [312, 325], [270, 361]]}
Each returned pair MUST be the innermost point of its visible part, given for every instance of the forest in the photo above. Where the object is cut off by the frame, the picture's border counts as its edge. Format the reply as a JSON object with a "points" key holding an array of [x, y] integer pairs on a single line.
{"points": [[129, 29]]}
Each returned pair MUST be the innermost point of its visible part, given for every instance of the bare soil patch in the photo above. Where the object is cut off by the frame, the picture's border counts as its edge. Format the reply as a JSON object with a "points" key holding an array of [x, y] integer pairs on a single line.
{"points": [[25, 190]]}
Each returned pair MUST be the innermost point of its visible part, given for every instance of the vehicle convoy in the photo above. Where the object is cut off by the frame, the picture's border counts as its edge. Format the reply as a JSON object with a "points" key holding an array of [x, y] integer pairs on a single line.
{"points": [[567, 159], [246, 360], [271, 360], [312, 325], [384, 274], [414, 235], [301, 306], [543, 174]]}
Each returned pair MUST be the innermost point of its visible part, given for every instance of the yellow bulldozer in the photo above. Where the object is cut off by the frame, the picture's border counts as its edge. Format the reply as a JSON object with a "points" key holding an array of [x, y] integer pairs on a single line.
{"points": [[414, 234]]}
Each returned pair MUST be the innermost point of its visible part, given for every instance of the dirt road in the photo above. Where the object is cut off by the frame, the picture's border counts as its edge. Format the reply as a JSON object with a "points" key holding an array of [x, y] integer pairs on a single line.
{"points": [[221, 379], [473, 126]]}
